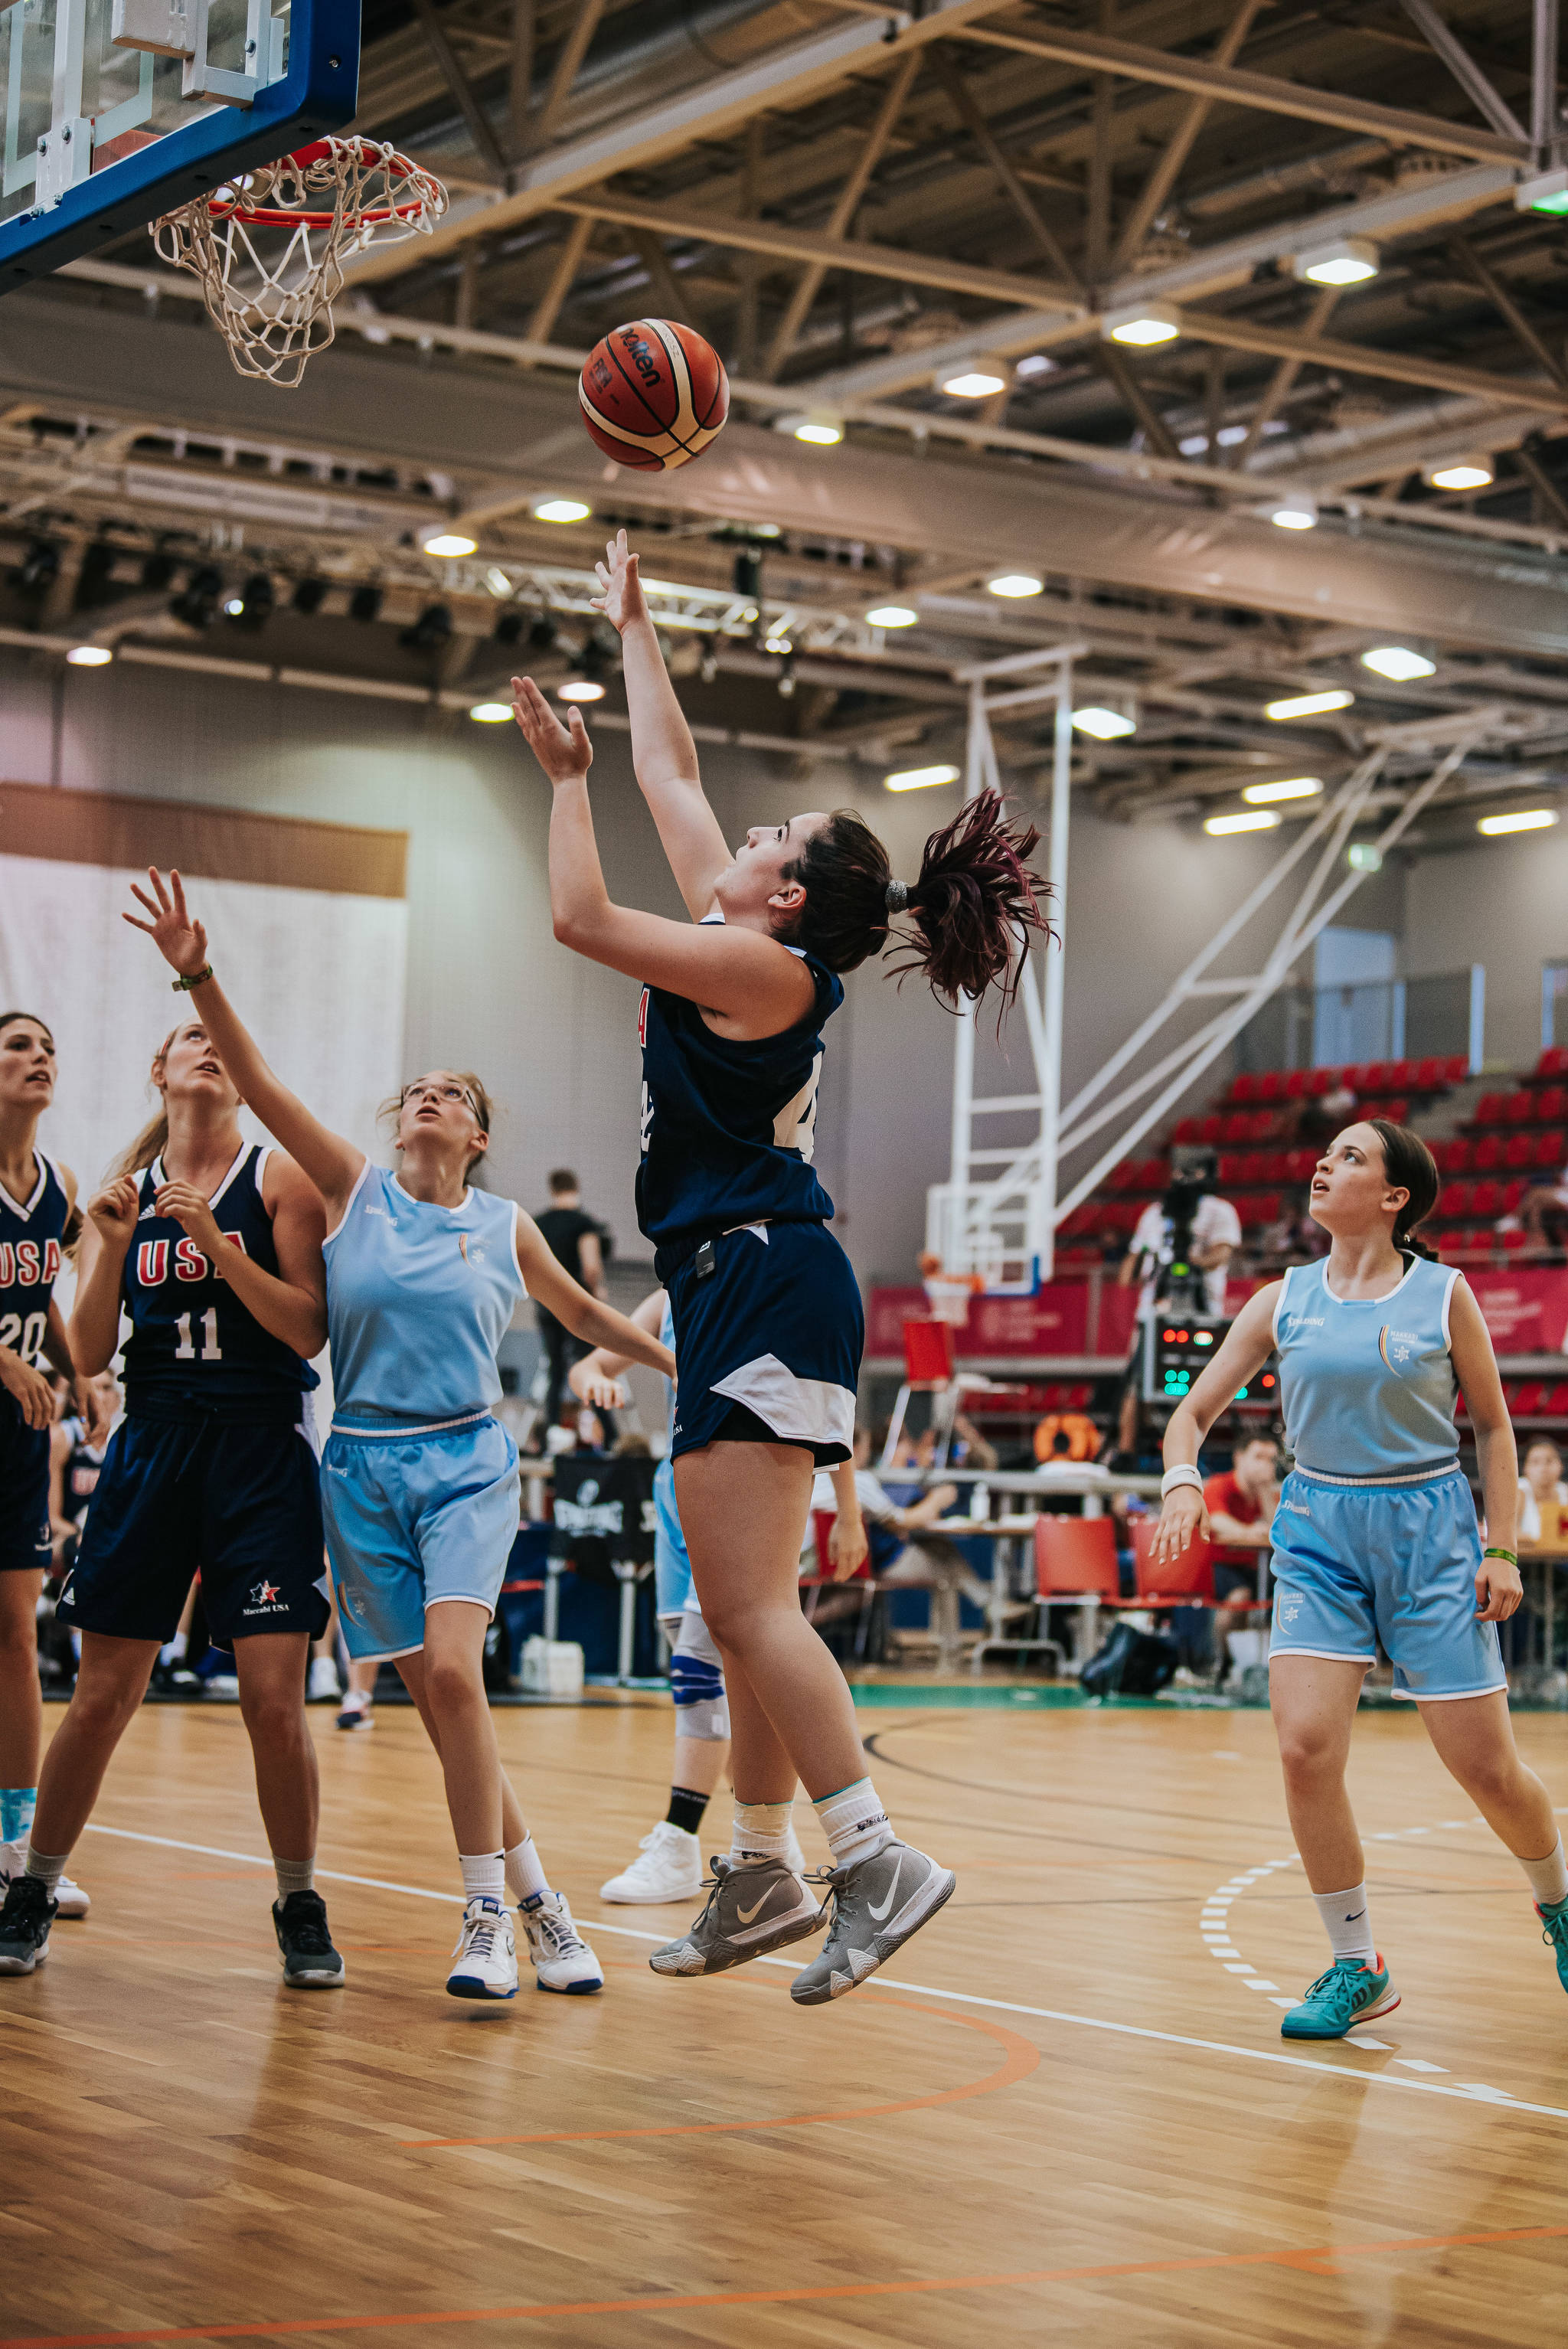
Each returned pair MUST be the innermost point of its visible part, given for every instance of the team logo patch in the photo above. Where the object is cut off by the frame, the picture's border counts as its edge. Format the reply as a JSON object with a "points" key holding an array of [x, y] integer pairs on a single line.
{"points": [[266, 1598], [471, 1251], [1396, 1345]]}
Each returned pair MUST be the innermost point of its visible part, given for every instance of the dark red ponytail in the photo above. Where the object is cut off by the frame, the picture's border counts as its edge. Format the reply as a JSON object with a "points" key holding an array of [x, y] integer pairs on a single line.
{"points": [[969, 914]]}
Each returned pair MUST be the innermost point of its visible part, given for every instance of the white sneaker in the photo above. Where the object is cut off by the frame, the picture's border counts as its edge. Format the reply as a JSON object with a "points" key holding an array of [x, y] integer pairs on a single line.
{"points": [[561, 1958], [357, 1712], [486, 1953], [668, 1868], [70, 1900], [322, 1684]]}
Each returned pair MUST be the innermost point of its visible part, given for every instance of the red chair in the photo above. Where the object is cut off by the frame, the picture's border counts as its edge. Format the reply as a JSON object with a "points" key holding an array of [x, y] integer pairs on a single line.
{"points": [[1246, 1087], [1075, 1566], [814, 1584], [1296, 1084], [1456, 1068], [1187, 1129], [1512, 1193], [1489, 1110], [1454, 1199], [1556, 1405], [930, 1366], [1550, 1101], [1513, 1241], [1186, 1580], [1488, 1154], [1377, 1076], [1298, 1166], [1461, 1157], [1550, 1150], [1530, 1402], [1398, 1110], [1237, 1127], [1553, 1061], [1210, 1130], [1274, 1087], [1519, 1107], [1450, 1245], [1321, 1082], [1429, 1076]]}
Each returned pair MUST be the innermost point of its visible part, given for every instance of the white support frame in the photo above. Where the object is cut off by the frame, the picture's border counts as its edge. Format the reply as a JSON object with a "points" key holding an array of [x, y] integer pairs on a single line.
{"points": [[1002, 1224]]}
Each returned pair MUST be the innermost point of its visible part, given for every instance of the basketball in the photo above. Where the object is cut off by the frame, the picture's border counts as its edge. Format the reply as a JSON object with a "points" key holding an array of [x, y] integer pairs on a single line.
{"points": [[653, 394]]}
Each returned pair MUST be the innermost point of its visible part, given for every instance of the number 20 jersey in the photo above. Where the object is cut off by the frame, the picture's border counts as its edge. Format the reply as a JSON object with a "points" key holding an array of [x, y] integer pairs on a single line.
{"points": [[30, 1243], [195, 1352], [728, 1128]]}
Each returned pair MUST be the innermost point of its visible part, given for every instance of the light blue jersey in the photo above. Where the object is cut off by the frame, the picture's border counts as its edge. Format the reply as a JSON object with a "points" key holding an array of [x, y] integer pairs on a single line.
{"points": [[1367, 1383], [418, 1300]]}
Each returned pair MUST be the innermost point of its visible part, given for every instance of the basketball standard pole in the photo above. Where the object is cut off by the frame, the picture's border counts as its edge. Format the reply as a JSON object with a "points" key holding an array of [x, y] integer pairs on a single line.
{"points": [[1054, 971]]}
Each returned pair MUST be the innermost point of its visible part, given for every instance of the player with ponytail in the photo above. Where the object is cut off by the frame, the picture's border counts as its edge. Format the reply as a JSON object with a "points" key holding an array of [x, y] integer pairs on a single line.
{"points": [[1375, 1540], [766, 1312]]}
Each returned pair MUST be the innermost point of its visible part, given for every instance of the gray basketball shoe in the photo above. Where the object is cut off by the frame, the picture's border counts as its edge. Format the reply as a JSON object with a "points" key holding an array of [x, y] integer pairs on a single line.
{"points": [[750, 1909], [877, 1904]]}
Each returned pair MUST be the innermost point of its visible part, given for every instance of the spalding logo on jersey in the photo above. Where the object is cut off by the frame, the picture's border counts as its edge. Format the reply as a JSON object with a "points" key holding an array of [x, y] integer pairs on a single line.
{"points": [[24, 1264], [152, 1264]]}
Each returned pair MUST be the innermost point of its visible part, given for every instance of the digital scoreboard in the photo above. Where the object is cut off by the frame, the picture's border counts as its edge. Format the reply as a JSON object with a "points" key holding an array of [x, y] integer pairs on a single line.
{"points": [[1178, 1347]]}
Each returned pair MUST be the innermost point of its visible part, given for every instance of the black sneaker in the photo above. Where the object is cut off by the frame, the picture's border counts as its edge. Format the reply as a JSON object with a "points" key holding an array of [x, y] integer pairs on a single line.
{"points": [[310, 1961], [24, 1921]]}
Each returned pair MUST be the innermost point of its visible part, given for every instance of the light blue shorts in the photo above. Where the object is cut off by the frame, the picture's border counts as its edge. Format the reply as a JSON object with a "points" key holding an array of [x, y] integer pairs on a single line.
{"points": [[414, 1518], [1355, 1564], [674, 1589]]}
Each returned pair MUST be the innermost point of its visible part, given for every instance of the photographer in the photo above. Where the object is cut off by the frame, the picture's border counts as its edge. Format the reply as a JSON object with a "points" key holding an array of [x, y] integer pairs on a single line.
{"points": [[1191, 1225]]}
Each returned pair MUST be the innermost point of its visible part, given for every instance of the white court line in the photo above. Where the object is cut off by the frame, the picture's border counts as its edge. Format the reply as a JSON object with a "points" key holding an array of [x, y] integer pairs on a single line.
{"points": [[1472, 2094]]}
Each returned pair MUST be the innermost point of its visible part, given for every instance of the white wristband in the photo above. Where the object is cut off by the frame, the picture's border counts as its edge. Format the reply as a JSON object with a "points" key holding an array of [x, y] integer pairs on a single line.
{"points": [[1174, 1477]]}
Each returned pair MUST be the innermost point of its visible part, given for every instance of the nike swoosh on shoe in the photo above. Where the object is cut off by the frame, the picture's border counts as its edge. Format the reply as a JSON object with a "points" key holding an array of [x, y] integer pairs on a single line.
{"points": [[881, 1914]]}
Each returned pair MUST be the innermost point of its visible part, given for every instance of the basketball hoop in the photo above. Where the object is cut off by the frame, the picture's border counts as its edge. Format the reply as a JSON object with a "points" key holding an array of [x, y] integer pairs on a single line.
{"points": [[327, 201]]}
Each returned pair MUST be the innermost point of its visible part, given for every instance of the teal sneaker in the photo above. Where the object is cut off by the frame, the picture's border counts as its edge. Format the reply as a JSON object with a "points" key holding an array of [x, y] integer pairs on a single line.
{"points": [[1554, 1933], [1351, 1991]]}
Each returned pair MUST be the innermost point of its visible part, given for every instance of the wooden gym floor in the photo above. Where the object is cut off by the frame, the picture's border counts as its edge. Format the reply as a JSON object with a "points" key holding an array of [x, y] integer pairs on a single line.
{"points": [[1066, 2112]]}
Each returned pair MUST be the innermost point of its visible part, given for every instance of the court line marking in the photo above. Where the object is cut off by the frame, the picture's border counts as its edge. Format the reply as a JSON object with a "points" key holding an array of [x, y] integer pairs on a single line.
{"points": [[1022, 2058], [1318, 2258], [1471, 2094]]}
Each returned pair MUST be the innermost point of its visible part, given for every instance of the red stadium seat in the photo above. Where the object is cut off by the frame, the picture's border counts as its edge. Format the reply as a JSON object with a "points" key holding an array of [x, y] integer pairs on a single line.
{"points": [[1237, 1127], [1550, 1150], [1320, 1082], [1296, 1084], [1245, 1088], [1513, 1241], [1121, 1177], [1186, 1580], [1512, 1195], [1530, 1402], [1489, 1110], [1075, 1558], [1486, 1199], [1518, 1150], [1487, 1154], [1260, 1125], [1450, 1245], [1551, 1102], [1186, 1129], [1377, 1077], [1271, 1088], [1429, 1076], [1454, 1199], [1461, 1155], [1210, 1130], [1396, 1111], [1553, 1061], [1406, 1074], [1456, 1068], [1556, 1406], [1519, 1107], [1298, 1166]]}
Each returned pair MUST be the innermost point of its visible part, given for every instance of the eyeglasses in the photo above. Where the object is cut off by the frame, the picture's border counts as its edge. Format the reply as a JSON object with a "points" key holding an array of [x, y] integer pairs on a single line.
{"points": [[447, 1092]]}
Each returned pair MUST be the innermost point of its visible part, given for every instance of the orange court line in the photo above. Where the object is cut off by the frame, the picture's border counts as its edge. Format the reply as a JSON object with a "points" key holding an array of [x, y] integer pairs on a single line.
{"points": [[1319, 2259], [1023, 2057]]}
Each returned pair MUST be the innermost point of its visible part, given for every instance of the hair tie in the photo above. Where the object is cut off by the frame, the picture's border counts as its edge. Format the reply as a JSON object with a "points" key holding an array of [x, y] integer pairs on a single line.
{"points": [[897, 898]]}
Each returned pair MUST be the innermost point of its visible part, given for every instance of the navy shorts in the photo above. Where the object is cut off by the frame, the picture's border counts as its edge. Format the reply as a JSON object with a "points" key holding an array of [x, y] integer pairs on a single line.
{"points": [[24, 1491], [768, 1347], [240, 1502]]}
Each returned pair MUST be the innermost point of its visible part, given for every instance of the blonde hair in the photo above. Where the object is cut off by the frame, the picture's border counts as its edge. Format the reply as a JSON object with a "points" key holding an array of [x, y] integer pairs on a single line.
{"points": [[391, 1110], [153, 1139]]}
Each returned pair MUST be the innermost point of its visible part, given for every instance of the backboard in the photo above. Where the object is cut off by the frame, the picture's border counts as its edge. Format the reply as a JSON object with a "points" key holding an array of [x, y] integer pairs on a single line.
{"points": [[117, 111]]}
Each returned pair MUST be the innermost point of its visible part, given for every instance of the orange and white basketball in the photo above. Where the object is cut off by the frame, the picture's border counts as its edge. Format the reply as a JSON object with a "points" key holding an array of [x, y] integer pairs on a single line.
{"points": [[653, 394]]}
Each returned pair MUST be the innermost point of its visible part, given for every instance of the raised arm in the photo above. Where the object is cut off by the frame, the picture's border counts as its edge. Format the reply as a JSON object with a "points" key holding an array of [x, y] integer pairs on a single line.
{"points": [[551, 1285], [755, 984], [332, 1164], [1497, 1587], [663, 752], [1248, 1345]]}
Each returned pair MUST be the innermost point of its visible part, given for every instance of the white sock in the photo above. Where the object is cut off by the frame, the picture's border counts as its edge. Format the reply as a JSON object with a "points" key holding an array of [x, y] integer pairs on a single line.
{"points": [[525, 1871], [294, 1876], [854, 1823], [1548, 1877], [47, 1871], [1347, 1923], [484, 1876], [761, 1831], [173, 1651]]}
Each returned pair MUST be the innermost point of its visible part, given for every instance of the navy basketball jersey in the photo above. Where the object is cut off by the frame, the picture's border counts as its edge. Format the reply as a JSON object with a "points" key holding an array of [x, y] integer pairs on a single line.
{"points": [[728, 1128], [30, 1244], [195, 1352]]}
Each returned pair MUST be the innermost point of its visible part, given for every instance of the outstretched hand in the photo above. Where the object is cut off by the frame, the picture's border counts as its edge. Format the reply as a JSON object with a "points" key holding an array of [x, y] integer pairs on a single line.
{"points": [[179, 938], [565, 753], [622, 599]]}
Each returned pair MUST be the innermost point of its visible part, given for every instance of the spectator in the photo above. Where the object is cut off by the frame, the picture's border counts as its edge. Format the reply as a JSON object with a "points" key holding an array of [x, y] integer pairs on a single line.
{"points": [[966, 1448], [1541, 1488], [1295, 1239], [1542, 1214], [906, 1550], [1323, 1114], [1240, 1506], [575, 1241], [1216, 1235]]}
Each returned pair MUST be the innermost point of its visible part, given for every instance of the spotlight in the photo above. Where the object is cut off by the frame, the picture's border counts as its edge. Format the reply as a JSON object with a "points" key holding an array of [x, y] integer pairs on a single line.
{"points": [[1105, 725], [233, 605], [892, 615], [491, 713], [430, 632], [449, 542], [198, 605], [252, 607], [919, 779], [776, 644], [1466, 472], [1015, 584], [1347, 261], [1364, 857], [562, 510], [1297, 512], [1255, 820], [508, 629], [1309, 705], [1036, 364], [1299, 787], [973, 383], [89, 656], [364, 604], [1519, 820], [820, 431], [308, 597], [1397, 662], [579, 688], [39, 568], [1141, 325]]}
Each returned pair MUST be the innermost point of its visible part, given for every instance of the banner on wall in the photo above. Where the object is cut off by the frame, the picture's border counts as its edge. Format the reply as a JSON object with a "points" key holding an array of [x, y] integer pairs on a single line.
{"points": [[1526, 1311], [1054, 1321]]}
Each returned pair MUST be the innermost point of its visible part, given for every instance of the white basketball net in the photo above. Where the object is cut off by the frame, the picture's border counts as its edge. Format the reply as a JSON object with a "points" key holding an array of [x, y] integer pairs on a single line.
{"points": [[272, 299]]}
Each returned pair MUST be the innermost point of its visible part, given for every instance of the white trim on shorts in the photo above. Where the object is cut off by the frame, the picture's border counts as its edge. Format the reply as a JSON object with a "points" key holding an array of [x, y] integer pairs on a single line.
{"points": [[1448, 1696], [1325, 1655]]}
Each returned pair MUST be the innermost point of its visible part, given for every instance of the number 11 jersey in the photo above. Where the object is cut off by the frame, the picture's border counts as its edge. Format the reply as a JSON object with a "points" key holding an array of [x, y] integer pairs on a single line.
{"points": [[195, 1352]]}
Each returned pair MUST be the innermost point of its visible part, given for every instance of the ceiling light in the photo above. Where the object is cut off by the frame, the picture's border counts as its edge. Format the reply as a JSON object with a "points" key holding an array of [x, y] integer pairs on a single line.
{"points": [[562, 510], [1470, 472], [1521, 819], [1309, 705], [1231, 436], [1252, 820], [579, 688], [491, 713], [1142, 324], [777, 645], [1015, 583], [919, 779], [1195, 444], [1347, 261], [1297, 512], [499, 581], [1398, 662], [89, 656], [892, 615], [448, 543], [1364, 857], [235, 606], [973, 384], [1034, 364], [820, 431], [1299, 787], [1105, 725], [1547, 194]]}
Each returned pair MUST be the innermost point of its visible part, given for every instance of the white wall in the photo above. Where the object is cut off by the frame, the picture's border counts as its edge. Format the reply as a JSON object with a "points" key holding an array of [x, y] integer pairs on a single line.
{"points": [[554, 1037]]}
